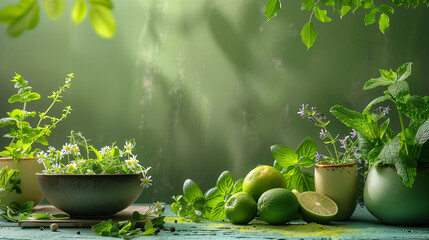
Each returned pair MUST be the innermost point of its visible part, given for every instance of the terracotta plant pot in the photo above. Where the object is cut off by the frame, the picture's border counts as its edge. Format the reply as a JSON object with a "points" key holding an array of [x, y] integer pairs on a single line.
{"points": [[340, 183], [391, 202], [30, 190], [85, 195]]}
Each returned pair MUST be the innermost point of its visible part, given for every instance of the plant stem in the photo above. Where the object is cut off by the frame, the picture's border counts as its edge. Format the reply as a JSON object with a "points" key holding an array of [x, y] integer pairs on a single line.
{"points": [[403, 128]]}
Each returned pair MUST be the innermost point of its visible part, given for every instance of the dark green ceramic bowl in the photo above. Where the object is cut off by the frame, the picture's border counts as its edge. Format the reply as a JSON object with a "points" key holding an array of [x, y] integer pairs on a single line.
{"points": [[84, 195]]}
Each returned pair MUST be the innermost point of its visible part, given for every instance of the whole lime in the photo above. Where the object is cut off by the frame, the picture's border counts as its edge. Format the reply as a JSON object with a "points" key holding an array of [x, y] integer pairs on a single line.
{"points": [[240, 208], [261, 179], [278, 206]]}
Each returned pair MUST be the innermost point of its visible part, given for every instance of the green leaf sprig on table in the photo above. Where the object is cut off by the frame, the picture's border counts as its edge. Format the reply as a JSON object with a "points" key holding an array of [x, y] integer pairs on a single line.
{"points": [[15, 212], [211, 205], [291, 163], [341, 8], [21, 133], [405, 150], [127, 229], [25, 15]]}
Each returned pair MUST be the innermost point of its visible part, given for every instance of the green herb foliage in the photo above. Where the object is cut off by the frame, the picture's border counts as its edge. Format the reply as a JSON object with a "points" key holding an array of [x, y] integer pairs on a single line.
{"points": [[291, 163], [9, 182], [127, 229], [15, 212], [211, 205], [21, 133], [405, 150], [316, 8], [25, 15]]}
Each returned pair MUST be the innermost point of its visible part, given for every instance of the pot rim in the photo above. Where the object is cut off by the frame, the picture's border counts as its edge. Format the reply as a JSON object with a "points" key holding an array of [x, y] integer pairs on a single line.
{"points": [[98, 175], [5, 159], [334, 165]]}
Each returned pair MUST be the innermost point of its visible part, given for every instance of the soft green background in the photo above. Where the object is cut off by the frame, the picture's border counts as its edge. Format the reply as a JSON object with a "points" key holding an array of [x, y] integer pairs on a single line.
{"points": [[204, 86]]}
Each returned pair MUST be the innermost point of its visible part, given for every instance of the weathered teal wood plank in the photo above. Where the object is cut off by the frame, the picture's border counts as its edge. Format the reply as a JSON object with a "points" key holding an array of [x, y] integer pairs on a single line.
{"points": [[361, 226]]}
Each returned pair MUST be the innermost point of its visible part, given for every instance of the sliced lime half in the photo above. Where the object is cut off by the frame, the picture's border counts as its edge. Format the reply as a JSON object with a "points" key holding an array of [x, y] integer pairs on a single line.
{"points": [[316, 207]]}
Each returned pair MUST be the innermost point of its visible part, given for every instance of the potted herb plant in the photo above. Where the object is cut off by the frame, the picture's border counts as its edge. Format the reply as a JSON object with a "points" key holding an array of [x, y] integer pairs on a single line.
{"points": [[25, 129], [91, 183], [396, 186], [335, 174]]}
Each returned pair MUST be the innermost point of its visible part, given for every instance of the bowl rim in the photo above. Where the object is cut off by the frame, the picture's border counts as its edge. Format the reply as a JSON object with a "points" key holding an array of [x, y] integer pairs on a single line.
{"points": [[99, 175]]}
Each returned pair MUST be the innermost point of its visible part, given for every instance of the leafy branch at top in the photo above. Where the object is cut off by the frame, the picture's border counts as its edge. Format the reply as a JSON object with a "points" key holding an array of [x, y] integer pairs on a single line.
{"points": [[25, 15], [341, 8]]}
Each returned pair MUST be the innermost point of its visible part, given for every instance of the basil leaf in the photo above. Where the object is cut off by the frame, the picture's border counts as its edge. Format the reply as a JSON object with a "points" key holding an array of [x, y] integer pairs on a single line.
{"points": [[284, 155], [225, 182], [306, 162], [191, 190], [238, 186], [307, 148], [218, 212]]}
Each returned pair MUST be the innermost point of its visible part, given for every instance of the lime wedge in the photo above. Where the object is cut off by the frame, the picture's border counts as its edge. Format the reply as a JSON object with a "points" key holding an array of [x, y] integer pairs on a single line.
{"points": [[316, 207]]}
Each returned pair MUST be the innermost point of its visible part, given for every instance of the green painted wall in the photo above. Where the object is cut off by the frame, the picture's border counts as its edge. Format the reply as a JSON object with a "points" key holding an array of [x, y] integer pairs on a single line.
{"points": [[205, 86]]}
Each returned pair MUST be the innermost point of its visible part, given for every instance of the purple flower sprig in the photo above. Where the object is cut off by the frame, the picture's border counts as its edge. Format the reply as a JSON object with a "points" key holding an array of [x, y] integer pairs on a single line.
{"points": [[347, 151]]}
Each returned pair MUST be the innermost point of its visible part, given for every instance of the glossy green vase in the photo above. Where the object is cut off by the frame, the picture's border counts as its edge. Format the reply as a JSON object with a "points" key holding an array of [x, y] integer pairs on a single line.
{"points": [[392, 202], [340, 183]]}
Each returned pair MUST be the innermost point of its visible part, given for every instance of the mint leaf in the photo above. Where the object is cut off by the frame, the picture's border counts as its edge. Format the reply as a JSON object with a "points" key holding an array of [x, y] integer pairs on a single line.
{"points": [[362, 123], [416, 108], [284, 155], [377, 101], [370, 16], [307, 148], [400, 91], [53, 8], [191, 190], [422, 134], [225, 182], [272, 7], [383, 22], [376, 82], [79, 11], [321, 15], [308, 35], [404, 71]]}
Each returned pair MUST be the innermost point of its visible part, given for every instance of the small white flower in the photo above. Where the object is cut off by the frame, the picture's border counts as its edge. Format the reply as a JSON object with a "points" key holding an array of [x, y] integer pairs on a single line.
{"points": [[51, 150], [132, 162], [80, 161], [128, 148], [89, 171], [67, 149], [41, 157], [121, 153], [71, 167], [146, 181], [2, 189], [105, 150], [159, 205], [75, 149]]}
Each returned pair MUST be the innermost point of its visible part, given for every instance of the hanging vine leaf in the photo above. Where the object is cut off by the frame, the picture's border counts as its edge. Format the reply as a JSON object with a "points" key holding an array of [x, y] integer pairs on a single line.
{"points": [[53, 8], [321, 15], [79, 11], [272, 8], [308, 34], [102, 20], [370, 16], [383, 22], [27, 20]]}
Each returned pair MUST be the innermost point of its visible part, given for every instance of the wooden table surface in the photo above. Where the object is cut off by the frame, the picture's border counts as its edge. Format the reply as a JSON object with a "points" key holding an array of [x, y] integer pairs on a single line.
{"points": [[361, 226]]}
